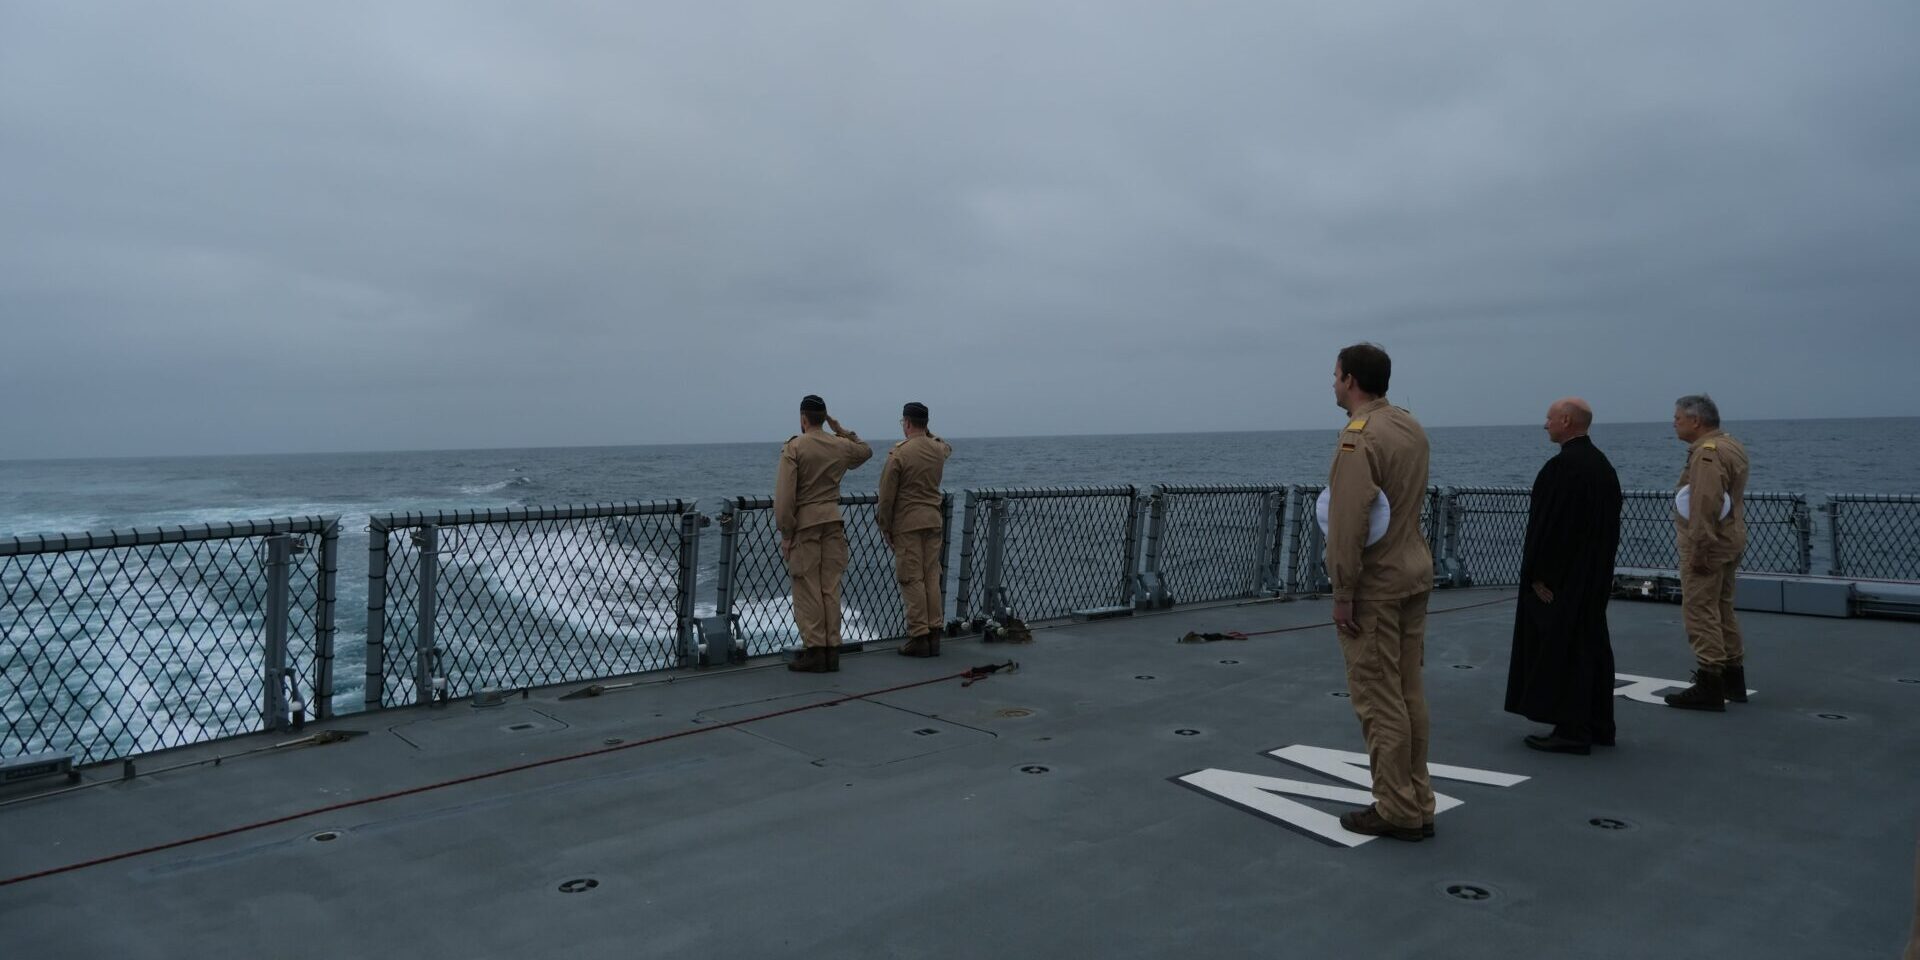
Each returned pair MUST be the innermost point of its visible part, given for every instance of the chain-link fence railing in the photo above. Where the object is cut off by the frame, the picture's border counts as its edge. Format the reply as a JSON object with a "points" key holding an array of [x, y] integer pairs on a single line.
{"points": [[1042, 553], [460, 601], [121, 643], [1213, 542], [1874, 535], [1489, 533], [1646, 532], [755, 591]]}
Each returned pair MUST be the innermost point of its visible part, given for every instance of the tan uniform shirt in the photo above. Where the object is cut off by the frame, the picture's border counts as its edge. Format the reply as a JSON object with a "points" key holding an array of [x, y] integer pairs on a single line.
{"points": [[1717, 471], [910, 485], [806, 493], [1382, 449]]}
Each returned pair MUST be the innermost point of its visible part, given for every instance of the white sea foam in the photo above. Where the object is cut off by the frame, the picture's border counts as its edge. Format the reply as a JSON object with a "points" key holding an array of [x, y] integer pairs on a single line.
{"points": [[481, 489]]}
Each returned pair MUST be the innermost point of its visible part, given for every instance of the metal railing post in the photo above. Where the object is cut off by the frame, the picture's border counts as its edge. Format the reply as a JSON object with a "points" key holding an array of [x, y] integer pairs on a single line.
{"points": [[1289, 565], [1455, 517], [1437, 537], [1149, 589], [685, 581], [946, 546], [428, 684], [995, 594], [1130, 562], [1318, 580], [717, 631], [1273, 510], [275, 713], [963, 593], [1803, 533], [323, 620], [1835, 565], [376, 614]]}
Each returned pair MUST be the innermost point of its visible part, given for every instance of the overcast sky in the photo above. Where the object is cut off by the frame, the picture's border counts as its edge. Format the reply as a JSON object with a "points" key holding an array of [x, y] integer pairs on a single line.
{"points": [[263, 227]]}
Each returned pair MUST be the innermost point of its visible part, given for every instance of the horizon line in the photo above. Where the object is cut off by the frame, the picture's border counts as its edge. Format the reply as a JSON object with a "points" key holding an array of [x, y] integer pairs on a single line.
{"points": [[730, 443]]}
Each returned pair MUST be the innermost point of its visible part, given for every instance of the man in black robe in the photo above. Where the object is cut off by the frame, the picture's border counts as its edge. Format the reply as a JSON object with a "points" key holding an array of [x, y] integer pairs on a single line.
{"points": [[1562, 667]]}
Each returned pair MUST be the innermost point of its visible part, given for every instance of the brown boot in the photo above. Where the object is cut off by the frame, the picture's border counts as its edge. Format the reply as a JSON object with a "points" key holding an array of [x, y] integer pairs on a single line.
{"points": [[1705, 694], [1367, 820], [810, 660], [1733, 681], [933, 643], [916, 647], [831, 656]]}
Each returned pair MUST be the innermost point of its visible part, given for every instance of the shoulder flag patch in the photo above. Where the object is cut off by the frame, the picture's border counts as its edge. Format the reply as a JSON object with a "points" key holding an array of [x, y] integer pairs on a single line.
{"points": [[1357, 425]]}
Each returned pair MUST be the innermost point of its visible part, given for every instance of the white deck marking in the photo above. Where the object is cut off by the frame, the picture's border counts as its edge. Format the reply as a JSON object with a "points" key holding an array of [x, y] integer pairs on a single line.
{"points": [[1266, 796]]}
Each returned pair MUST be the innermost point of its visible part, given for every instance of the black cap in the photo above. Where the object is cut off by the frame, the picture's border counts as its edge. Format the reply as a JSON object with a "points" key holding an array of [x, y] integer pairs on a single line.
{"points": [[812, 404], [914, 410]]}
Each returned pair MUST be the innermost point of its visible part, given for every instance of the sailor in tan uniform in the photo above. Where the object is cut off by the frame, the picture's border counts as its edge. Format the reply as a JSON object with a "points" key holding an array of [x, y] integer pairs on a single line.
{"points": [[1380, 591], [1710, 547], [909, 517], [806, 508]]}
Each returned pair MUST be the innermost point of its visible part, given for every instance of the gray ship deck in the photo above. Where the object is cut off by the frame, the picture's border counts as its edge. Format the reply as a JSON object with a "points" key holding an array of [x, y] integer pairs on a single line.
{"points": [[909, 823]]}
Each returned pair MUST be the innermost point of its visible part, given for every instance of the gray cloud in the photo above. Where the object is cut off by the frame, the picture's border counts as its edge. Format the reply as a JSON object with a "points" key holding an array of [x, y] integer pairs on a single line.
{"points": [[246, 227]]}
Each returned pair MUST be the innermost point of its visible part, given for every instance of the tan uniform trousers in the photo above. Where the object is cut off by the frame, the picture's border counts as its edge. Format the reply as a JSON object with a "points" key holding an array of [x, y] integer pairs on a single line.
{"points": [[1706, 608], [1383, 678], [916, 565], [818, 558]]}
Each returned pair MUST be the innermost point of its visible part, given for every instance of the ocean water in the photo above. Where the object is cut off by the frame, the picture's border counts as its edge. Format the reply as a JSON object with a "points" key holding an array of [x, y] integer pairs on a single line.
{"points": [[1815, 457]]}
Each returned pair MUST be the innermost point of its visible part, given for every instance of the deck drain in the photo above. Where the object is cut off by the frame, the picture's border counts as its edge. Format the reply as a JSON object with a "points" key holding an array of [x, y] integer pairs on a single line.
{"points": [[614, 741], [1229, 662], [1144, 676], [1463, 666], [1610, 823], [1472, 893], [521, 726], [1342, 694], [325, 836], [1186, 732], [1035, 768], [580, 885], [1013, 713], [1832, 716], [925, 732]]}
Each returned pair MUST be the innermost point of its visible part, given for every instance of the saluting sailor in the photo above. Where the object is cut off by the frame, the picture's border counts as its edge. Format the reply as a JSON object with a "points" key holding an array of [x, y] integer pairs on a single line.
{"points": [[1380, 590], [806, 508]]}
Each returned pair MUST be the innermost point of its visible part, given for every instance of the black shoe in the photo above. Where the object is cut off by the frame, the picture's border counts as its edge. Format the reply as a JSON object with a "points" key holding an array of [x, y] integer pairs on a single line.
{"points": [[1367, 820], [1554, 743], [1703, 695], [1426, 829], [1733, 682], [831, 655]]}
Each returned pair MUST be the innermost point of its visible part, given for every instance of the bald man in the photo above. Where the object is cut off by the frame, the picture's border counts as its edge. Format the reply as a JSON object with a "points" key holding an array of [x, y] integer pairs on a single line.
{"points": [[1562, 667]]}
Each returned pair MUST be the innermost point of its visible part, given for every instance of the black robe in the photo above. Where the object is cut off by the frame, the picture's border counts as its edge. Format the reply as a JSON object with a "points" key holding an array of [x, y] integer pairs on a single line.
{"points": [[1562, 667]]}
